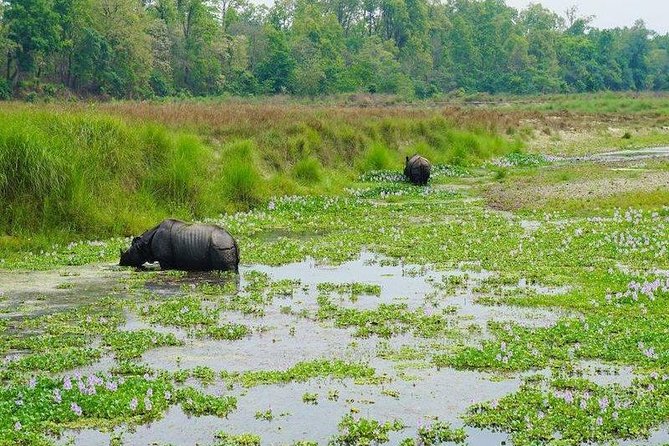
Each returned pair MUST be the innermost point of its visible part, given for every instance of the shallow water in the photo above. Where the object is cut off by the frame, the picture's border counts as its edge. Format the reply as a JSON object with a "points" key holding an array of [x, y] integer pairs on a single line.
{"points": [[634, 154], [280, 340], [443, 394], [32, 293]]}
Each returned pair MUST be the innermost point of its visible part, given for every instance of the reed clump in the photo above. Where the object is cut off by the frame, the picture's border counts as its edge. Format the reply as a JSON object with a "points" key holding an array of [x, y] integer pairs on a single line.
{"points": [[115, 169]]}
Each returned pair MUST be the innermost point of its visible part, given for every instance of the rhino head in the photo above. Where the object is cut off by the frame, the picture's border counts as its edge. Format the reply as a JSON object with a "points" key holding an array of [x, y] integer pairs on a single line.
{"points": [[135, 255]]}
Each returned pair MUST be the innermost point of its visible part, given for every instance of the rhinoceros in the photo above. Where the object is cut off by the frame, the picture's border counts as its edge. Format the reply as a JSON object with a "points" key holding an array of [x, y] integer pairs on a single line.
{"points": [[183, 246], [417, 170]]}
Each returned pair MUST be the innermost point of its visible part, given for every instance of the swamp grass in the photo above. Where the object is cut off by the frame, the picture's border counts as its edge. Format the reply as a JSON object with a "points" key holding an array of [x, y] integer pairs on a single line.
{"points": [[99, 173]]}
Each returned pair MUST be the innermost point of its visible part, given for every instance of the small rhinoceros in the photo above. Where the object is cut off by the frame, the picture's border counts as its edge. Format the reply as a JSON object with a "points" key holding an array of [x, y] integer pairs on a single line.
{"points": [[417, 170], [182, 246]]}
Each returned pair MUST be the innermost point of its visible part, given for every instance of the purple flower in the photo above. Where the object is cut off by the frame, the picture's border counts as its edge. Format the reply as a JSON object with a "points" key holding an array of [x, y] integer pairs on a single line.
{"points": [[603, 403], [133, 404], [650, 353], [148, 405], [149, 392], [568, 397], [17, 426], [67, 383], [19, 402], [32, 383], [57, 396], [76, 409], [168, 395], [111, 386], [584, 404], [600, 421]]}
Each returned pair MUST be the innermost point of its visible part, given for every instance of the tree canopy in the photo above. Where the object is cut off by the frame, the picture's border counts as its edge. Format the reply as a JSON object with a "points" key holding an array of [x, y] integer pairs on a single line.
{"points": [[413, 48]]}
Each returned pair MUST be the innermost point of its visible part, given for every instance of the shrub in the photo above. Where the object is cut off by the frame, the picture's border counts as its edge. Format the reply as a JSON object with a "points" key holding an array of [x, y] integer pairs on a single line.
{"points": [[377, 157], [239, 181], [308, 171]]}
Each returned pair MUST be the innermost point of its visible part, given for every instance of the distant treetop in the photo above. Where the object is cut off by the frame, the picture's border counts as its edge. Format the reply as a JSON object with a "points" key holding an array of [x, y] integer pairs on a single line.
{"points": [[411, 48]]}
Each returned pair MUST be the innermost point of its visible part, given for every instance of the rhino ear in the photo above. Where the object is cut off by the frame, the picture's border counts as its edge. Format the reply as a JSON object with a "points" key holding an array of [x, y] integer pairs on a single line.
{"points": [[120, 251], [407, 159]]}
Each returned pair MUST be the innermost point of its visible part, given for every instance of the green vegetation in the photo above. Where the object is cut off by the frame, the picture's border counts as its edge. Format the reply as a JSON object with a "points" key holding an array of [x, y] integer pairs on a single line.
{"points": [[95, 175], [439, 432], [364, 431], [301, 372], [132, 344], [27, 411], [197, 403], [505, 275], [413, 49], [223, 439], [385, 320], [576, 411], [87, 173]]}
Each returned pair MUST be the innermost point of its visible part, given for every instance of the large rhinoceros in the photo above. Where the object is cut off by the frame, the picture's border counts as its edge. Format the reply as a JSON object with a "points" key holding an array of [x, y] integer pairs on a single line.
{"points": [[182, 246], [417, 170]]}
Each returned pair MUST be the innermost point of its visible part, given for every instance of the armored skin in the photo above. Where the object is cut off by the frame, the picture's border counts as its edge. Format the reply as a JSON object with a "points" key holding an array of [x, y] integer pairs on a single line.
{"points": [[417, 170], [183, 246]]}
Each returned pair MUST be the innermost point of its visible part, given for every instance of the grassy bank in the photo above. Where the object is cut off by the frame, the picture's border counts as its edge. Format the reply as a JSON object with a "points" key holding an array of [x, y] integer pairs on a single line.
{"points": [[85, 172]]}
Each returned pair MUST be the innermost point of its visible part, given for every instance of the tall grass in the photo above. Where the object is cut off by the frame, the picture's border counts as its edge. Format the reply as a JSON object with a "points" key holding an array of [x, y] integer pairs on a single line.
{"points": [[96, 175], [239, 181], [118, 168]]}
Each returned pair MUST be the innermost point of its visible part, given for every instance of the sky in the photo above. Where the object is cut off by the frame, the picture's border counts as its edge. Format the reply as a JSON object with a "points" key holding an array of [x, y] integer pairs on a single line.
{"points": [[611, 13]]}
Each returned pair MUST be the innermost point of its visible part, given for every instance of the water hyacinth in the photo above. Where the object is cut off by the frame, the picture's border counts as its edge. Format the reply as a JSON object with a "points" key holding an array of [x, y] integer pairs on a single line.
{"points": [[76, 409], [603, 404]]}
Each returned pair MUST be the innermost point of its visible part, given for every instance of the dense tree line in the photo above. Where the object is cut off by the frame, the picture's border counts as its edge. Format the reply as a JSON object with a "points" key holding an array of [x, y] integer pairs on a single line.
{"points": [[414, 48]]}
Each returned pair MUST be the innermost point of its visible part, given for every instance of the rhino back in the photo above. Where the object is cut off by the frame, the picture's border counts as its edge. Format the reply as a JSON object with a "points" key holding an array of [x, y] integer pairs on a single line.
{"points": [[161, 242], [190, 245]]}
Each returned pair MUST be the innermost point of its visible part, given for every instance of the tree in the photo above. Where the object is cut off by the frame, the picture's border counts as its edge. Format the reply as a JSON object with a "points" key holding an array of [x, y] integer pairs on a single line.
{"points": [[317, 46], [114, 55], [74, 17], [34, 28], [275, 71]]}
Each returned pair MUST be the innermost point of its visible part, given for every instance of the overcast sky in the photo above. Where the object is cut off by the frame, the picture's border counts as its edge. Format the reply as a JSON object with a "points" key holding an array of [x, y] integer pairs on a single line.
{"points": [[612, 13]]}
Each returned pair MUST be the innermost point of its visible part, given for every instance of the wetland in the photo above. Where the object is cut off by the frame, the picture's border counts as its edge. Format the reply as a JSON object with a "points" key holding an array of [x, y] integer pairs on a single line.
{"points": [[516, 300]]}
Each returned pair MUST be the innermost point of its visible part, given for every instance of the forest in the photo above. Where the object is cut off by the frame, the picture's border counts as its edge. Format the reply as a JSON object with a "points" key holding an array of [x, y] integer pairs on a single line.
{"points": [[137, 49]]}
